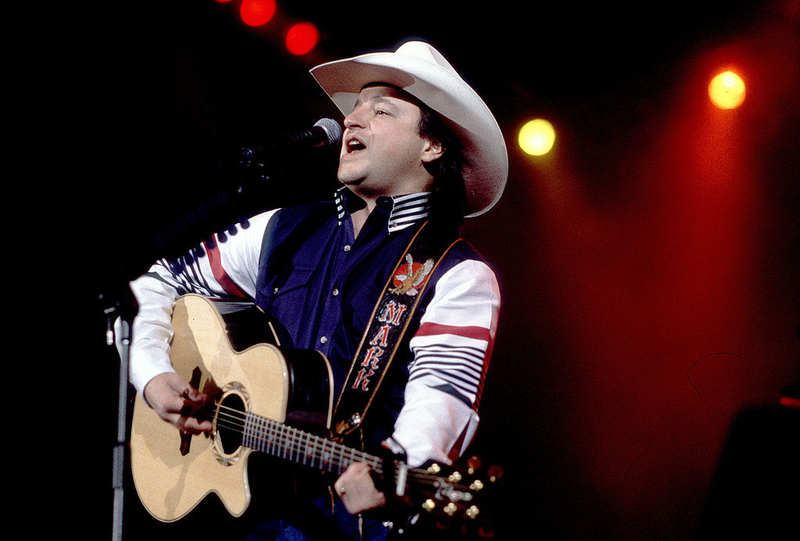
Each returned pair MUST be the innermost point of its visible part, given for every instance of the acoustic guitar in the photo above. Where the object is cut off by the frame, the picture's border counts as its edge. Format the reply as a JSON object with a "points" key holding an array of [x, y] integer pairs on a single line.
{"points": [[263, 398]]}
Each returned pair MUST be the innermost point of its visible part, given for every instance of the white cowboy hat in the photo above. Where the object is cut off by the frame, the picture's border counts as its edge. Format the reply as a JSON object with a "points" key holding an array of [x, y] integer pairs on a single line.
{"points": [[423, 72]]}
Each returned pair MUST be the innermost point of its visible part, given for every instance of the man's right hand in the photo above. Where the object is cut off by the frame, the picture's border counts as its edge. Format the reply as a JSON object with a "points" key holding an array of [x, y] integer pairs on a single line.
{"points": [[177, 403]]}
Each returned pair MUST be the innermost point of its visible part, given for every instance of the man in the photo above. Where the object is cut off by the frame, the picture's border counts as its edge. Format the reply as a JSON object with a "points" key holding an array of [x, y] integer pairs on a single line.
{"points": [[419, 147]]}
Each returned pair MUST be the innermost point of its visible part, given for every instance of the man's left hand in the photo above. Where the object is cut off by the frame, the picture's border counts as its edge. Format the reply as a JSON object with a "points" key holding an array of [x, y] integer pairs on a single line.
{"points": [[357, 490]]}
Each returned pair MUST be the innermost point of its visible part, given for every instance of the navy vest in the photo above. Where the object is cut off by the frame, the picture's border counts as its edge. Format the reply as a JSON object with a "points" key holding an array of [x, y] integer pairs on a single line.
{"points": [[320, 286]]}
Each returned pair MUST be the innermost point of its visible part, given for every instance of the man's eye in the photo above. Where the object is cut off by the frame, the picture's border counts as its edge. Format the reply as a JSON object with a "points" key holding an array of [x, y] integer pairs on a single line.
{"points": [[381, 112]]}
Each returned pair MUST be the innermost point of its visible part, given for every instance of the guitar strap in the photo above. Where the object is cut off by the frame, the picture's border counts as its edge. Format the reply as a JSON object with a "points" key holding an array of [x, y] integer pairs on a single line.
{"points": [[389, 321]]}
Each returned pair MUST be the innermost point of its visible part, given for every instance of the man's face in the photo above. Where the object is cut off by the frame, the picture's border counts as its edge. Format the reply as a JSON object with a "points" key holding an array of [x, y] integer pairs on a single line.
{"points": [[382, 152]]}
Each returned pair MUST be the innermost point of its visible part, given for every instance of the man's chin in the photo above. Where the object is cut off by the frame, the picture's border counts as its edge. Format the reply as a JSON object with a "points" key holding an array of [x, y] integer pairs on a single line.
{"points": [[351, 180]]}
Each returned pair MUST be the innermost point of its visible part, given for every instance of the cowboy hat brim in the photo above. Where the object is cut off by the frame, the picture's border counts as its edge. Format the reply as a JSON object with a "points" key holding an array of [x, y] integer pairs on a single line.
{"points": [[420, 70]]}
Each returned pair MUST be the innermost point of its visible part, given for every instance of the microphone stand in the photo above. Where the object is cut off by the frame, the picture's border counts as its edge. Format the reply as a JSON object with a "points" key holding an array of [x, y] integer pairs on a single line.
{"points": [[211, 216], [245, 177], [122, 311]]}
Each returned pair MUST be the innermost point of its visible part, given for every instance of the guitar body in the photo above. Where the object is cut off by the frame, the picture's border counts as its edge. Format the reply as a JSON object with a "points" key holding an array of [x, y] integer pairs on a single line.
{"points": [[173, 474]]}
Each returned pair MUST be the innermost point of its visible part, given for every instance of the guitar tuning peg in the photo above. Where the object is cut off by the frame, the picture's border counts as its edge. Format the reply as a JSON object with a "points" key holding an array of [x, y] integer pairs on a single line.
{"points": [[477, 485], [473, 464], [454, 477], [495, 473]]}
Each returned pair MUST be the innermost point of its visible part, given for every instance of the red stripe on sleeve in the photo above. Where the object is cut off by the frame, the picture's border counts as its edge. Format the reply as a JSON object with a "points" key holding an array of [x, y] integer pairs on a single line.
{"points": [[478, 333], [215, 260]]}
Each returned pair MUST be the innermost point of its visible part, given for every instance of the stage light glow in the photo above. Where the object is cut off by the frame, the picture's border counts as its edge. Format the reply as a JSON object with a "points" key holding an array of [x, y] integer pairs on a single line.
{"points": [[726, 90], [302, 38], [537, 137], [257, 12]]}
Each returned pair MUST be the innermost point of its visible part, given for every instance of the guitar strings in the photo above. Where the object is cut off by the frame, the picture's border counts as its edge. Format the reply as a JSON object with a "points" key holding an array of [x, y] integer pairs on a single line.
{"points": [[297, 443], [288, 442], [285, 441], [313, 448]]}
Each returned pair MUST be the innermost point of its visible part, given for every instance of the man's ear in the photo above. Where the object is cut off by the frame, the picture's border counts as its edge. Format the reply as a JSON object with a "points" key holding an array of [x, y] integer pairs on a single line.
{"points": [[432, 150]]}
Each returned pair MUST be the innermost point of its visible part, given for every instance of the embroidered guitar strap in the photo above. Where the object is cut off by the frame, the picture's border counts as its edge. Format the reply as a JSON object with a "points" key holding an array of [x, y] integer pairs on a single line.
{"points": [[389, 321]]}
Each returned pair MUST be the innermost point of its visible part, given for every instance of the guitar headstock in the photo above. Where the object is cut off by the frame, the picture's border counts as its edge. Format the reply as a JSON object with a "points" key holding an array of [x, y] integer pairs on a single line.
{"points": [[453, 497]]}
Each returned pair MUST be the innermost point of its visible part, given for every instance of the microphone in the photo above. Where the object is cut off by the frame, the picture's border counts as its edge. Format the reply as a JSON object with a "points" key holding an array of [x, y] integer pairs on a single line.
{"points": [[325, 132]]}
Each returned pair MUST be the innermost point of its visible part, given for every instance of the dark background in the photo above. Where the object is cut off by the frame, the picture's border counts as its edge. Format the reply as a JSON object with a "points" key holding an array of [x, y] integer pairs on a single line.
{"points": [[649, 264]]}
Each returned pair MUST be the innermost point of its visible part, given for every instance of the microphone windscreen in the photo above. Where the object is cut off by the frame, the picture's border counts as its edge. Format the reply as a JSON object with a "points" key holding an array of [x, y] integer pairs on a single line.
{"points": [[332, 129]]}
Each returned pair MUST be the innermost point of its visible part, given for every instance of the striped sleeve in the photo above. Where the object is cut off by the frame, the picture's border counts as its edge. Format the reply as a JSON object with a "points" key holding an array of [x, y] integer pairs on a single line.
{"points": [[224, 267], [452, 349]]}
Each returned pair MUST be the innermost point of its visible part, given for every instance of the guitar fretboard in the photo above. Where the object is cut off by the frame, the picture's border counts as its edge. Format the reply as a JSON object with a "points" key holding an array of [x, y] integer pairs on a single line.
{"points": [[274, 438], [295, 445]]}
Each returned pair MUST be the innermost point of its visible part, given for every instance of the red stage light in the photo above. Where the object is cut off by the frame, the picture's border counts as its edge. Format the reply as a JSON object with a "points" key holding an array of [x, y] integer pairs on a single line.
{"points": [[257, 12], [302, 38]]}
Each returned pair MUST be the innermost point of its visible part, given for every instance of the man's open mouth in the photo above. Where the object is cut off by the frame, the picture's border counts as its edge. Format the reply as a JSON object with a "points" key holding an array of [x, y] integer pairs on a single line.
{"points": [[354, 145]]}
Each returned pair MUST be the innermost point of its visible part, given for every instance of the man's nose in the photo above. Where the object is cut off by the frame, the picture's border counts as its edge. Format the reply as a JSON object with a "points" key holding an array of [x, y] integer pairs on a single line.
{"points": [[354, 119]]}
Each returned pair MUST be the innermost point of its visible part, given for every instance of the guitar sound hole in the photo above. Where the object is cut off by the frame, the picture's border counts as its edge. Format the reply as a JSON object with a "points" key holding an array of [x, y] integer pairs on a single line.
{"points": [[230, 423]]}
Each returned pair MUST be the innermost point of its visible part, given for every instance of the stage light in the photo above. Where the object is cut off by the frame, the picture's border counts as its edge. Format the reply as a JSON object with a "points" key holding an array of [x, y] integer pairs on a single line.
{"points": [[537, 137], [257, 12], [302, 38], [726, 90]]}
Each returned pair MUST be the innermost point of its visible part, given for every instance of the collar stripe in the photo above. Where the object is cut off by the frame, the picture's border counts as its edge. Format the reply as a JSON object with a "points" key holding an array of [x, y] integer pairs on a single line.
{"points": [[406, 209]]}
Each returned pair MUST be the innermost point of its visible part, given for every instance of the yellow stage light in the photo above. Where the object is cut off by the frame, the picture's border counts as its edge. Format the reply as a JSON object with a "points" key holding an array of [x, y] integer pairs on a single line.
{"points": [[537, 137]]}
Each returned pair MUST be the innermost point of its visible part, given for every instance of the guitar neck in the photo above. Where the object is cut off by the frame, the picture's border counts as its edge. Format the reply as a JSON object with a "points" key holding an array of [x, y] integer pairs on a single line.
{"points": [[277, 439], [295, 445]]}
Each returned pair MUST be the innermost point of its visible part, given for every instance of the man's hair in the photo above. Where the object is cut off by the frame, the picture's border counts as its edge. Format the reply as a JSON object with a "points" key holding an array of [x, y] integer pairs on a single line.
{"points": [[448, 196]]}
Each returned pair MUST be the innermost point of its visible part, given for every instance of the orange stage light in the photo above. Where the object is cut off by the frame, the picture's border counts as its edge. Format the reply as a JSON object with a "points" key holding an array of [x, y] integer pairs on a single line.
{"points": [[727, 90]]}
